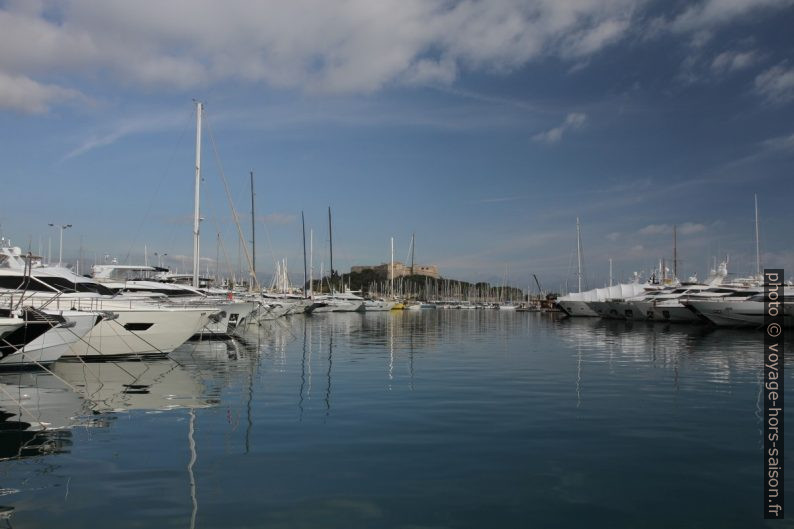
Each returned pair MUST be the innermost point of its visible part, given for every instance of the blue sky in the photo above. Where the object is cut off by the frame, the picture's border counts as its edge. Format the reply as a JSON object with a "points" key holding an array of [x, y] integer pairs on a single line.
{"points": [[484, 127]]}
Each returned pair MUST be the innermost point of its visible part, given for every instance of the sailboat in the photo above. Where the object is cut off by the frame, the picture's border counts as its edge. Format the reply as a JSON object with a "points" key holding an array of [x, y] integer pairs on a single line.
{"points": [[575, 304], [346, 301]]}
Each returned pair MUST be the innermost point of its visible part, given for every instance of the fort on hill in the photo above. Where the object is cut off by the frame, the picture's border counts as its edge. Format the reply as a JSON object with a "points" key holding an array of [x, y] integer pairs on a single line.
{"points": [[400, 270]]}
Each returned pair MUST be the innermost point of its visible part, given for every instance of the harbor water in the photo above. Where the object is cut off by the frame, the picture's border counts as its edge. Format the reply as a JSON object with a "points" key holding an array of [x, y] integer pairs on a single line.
{"points": [[411, 419]]}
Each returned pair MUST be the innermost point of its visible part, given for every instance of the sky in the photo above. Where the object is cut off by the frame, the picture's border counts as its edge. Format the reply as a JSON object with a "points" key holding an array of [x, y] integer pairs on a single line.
{"points": [[484, 127]]}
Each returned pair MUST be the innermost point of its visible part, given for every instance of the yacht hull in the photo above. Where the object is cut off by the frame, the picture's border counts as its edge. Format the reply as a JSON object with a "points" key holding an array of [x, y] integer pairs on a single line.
{"points": [[54, 343], [139, 333], [737, 313], [676, 313], [577, 308], [340, 305], [378, 306]]}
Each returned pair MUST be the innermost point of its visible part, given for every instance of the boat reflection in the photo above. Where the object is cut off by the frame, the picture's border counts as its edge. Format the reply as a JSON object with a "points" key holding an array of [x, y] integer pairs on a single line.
{"points": [[122, 386], [36, 411], [670, 346]]}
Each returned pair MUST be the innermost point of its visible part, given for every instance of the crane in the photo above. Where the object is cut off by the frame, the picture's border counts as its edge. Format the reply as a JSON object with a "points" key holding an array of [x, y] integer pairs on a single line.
{"points": [[540, 290]]}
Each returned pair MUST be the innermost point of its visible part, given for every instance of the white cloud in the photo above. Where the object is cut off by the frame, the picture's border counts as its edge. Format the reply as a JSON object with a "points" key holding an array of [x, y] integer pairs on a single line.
{"points": [[592, 39], [709, 13], [779, 144], [687, 228], [656, 229], [637, 250], [20, 93], [732, 61], [776, 84], [690, 228], [124, 128], [574, 121], [348, 46]]}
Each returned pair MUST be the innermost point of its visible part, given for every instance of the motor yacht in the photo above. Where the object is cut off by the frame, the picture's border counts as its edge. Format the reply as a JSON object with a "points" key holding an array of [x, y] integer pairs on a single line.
{"points": [[744, 308], [44, 336], [141, 327]]}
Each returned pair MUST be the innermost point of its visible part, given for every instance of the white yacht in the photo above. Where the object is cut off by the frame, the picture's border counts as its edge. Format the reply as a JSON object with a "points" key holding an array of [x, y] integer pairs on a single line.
{"points": [[672, 306], [608, 300], [599, 301], [44, 336], [9, 325], [575, 303], [666, 306], [376, 305], [280, 304], [742, 308], [152, 284], [347, 301], [140, 328]]}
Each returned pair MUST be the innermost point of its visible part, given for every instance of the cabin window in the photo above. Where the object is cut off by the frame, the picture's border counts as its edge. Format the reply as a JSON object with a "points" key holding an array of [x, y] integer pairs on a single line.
{"points": [[137, 326]]}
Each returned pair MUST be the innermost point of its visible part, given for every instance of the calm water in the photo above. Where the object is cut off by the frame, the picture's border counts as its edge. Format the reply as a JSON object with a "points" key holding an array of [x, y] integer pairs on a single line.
{"points": [[424, 419]]}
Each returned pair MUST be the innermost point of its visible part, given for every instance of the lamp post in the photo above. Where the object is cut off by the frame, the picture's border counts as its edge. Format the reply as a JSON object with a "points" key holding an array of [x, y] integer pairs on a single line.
{"points": [[60, 249], [159, 259]]}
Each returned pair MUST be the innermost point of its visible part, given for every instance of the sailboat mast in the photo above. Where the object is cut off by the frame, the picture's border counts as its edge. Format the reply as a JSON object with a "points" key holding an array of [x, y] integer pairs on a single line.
{"points": [[331, 245], [197, 198], [610, 271], [253, 233], [579, 253], [413, 249], [391, 270], [675, 254], [303, 227], [311, 263], [757, 241]]}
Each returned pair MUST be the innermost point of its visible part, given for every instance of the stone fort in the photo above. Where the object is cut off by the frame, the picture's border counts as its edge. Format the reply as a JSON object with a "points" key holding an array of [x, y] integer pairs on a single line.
{"points": [[400, 270]]}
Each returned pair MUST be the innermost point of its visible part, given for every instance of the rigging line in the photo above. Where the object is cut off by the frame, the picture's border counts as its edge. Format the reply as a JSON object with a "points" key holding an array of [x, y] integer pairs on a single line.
{"points": [[229, 270], [79, 338], [144, 340], [38, 364], [100, 353], [22, 407], [231, 206], [215, 222], [160, 181]]}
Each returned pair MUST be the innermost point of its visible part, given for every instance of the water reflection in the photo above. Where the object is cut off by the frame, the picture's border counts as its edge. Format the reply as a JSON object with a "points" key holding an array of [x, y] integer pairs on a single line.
{"points": [[35, 412], [124, 386], [670, 346], [410, 414]]}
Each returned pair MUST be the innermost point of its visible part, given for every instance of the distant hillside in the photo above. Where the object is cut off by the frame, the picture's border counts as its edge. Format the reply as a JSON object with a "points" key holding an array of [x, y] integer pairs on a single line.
{"points": [[372, 283]]}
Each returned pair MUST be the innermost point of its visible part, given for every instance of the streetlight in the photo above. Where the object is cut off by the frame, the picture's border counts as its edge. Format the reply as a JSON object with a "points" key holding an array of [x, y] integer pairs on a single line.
{"points": [[60, 250], [159, 258]]}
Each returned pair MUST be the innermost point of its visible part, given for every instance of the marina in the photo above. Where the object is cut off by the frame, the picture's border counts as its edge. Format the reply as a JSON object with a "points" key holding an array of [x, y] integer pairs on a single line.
{"points": [[388, 396], [404, 264]]}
